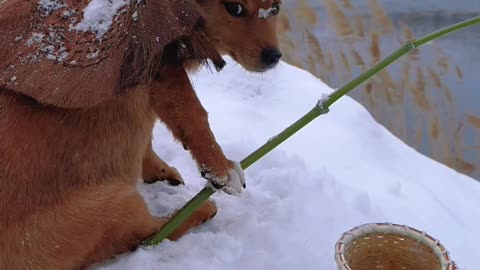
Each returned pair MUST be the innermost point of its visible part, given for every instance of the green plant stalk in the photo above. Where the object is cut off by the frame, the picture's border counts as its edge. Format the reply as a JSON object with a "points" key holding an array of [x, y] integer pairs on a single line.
{"points": [[322, 107]]}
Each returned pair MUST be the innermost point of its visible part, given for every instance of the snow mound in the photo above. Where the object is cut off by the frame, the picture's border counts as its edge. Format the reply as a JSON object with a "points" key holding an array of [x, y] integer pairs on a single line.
{"points": [[341, 171]]}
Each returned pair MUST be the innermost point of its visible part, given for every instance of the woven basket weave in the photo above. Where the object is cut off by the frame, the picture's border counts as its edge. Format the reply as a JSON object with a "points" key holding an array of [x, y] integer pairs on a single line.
{"points": [[388, 246]]}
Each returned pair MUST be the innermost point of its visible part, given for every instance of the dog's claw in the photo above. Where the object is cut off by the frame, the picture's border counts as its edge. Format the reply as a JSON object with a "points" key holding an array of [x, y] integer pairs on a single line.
{"points": [[173, 178], [217, 185], [175, 182], [171, 182], [233, 183]]}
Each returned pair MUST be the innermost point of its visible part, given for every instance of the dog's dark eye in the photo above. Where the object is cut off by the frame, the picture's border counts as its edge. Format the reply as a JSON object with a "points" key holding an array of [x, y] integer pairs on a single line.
{"points": [[235, 9], [275, 9]]}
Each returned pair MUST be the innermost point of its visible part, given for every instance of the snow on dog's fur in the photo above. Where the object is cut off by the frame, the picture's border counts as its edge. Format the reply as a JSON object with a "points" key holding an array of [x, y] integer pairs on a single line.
{"points": [[77, 111]]}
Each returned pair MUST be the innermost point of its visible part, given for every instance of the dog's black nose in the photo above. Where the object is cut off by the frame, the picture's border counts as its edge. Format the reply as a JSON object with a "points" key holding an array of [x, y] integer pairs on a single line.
{"points": [[271, 56]]}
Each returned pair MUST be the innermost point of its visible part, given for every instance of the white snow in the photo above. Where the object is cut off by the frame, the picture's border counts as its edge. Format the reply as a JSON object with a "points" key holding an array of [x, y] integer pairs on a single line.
{"points": [[322, 102], [93, 54], [51, 46], [342, 170], [135, 16], [35, 38], [98, 16], [49, 6], [264, 13], [69, 12]]}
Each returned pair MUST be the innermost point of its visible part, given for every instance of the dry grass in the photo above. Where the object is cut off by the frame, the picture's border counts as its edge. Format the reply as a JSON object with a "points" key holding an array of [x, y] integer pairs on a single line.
{"points": [[418, 92], [459, 72], [360, 42], [338, 19], [435, 78], [305, 13], [375, 50], [357, 58], [442, 60], [347, 4], [474, 121], [379, 17], [435, 129]]}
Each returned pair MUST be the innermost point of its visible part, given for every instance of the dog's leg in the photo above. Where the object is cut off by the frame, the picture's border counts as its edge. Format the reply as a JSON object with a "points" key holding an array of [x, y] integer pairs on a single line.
{"points": [[155, 169], [178, 107], [128, 223], [206, 212]]}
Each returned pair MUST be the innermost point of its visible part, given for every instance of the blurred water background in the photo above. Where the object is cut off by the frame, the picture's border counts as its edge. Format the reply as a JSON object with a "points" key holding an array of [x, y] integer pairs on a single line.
{"points": [[431, 99]]}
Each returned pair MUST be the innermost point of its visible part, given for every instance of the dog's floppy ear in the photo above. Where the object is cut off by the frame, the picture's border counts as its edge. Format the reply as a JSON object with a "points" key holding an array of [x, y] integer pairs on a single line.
{"points": [[171, 32], [46, 59]]}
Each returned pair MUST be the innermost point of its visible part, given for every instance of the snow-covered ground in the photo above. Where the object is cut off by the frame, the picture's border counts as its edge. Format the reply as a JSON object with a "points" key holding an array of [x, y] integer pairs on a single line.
{"points": [[341, 171]]}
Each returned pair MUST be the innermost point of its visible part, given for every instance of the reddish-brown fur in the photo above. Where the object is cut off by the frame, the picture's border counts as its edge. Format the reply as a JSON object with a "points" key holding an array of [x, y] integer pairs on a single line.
{"points": [[68, 176]]}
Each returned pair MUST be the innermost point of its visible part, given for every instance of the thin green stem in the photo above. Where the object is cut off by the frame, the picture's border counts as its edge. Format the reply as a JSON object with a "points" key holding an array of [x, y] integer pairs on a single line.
{"points": [[322, 107], [368, 74], [280, 138], [446, 31], [182, 215]]}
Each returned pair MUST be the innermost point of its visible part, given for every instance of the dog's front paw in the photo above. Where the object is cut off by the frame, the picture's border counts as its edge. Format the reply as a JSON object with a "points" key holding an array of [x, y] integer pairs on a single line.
{"points": [[232, 182]]}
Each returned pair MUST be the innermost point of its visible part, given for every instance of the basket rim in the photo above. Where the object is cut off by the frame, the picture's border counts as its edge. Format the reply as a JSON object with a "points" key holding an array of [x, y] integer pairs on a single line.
{"points": [[348, 237]]}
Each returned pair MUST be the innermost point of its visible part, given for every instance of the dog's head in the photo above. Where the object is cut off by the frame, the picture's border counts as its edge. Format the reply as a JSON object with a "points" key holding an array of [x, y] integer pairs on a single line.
{"points": [[244, 30]]}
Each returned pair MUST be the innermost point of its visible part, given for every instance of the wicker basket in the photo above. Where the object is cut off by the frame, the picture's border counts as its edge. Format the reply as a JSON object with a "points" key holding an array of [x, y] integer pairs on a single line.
{"points": [[390, 247]]}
